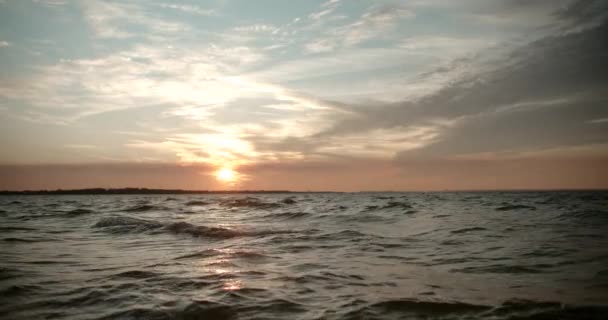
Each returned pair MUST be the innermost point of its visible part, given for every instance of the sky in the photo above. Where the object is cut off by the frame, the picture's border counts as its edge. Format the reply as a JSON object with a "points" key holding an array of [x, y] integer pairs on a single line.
{"points": [[344, 95]]}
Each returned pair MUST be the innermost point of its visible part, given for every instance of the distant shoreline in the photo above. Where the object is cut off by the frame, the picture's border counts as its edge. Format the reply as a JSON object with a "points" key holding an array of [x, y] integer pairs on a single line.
{"points": [[145, 191]]}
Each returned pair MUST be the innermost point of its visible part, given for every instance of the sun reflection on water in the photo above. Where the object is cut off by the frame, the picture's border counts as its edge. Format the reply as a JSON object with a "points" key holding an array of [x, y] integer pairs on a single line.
{"points": [[226, 271], [232, 285]]}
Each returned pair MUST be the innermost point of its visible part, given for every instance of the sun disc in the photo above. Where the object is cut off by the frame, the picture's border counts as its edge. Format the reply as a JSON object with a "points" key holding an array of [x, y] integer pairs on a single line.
{"points": [[225, 175]]}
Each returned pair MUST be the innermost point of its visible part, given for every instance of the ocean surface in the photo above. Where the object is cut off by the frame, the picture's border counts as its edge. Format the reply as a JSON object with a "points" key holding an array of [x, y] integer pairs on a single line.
{"points": [[488, 255]]}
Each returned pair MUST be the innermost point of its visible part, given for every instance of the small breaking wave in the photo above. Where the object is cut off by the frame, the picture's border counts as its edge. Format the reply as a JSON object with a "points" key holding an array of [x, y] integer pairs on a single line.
{"points": [[128, 224], [217, 232], [203, 231], [120, 221]]}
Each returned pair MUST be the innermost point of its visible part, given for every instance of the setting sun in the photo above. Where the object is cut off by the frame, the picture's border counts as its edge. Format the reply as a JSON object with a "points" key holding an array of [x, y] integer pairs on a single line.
{"points": [[225, 175]]}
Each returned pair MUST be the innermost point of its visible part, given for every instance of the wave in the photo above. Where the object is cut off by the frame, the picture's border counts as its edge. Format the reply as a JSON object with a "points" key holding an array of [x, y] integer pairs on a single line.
{"points": [[203, 231], [17, 229], [397, 204], [18, 290], [195, 310], [218, 232], [588, 214], [288, 200], [362, 217], [196, 203], [143, 208], [204, 309], [78, 212], [510, 207], [390, 205], [208, 310], [223, 252], [249, 202], [13, 239], [465, 230], [258, 303], [128, 224], [515, 309], [287, 215], [506, 269], [526, 309], [346, 234], [426, 307], [9, 273], [136, 274], [120, 221]]}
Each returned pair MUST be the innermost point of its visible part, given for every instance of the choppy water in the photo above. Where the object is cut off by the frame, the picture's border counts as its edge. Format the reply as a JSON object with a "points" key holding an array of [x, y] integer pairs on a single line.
{"points": [[536, 255]]}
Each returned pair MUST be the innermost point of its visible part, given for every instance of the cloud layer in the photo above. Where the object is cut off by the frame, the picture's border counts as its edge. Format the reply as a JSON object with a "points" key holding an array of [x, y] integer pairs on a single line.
{"points": [[384, 88]]}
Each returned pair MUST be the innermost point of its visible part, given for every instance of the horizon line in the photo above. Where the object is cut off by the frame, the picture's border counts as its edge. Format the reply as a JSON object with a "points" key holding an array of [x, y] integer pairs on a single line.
{"points": [[143, 190]]}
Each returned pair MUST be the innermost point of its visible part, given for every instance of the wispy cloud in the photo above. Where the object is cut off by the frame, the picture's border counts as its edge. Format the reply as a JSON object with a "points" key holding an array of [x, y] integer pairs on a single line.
{"points": [[326, 9], [189, 9], [258, 27], [375, 23], [115, 20]]}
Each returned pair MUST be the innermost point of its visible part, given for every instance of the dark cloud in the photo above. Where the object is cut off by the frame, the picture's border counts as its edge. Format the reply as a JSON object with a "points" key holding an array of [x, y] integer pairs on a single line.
{"points": [[539, 96], [582, 12], [526, 128]]}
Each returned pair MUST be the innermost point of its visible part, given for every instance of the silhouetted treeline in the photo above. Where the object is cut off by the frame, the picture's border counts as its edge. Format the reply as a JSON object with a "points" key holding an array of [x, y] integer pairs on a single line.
{"points": [[95, 191]]}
